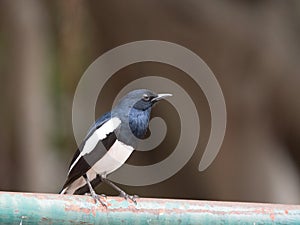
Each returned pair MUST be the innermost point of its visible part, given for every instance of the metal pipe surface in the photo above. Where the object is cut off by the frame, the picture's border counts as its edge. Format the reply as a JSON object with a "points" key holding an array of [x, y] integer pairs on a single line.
{"points": [[35, 208]]}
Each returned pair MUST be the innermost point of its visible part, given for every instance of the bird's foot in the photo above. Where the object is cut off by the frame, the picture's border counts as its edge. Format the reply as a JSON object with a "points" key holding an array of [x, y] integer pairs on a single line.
{"points": [[130, 197], [97, 199], [103, 195]]}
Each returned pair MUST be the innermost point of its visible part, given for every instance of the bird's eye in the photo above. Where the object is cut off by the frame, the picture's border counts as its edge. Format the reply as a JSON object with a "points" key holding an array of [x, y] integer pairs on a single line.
{"points": [[146, 97]]}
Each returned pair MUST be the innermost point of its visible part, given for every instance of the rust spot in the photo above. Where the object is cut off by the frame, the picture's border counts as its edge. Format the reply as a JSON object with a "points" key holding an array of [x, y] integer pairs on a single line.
{"points": [[286, 211], [77, 208], [119, 199], [45, 219], [272, 216]]}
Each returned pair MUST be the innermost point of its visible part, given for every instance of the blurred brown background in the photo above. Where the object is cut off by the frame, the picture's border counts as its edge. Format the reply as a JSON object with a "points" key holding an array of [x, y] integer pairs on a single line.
{"points": [[251, 46]]}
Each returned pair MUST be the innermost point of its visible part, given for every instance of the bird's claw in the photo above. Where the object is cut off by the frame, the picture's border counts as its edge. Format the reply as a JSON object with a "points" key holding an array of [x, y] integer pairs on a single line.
{"points": [[103, 196], [98, 199], [130, 197]]}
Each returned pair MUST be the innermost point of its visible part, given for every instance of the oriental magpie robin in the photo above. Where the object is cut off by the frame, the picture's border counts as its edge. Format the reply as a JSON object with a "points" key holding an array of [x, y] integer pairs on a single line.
{"points": [[109, 143]]}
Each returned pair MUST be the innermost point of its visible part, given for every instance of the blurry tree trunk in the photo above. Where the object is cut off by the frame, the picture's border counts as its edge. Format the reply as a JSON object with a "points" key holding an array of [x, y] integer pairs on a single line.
{"points": [[75, 45], [33, 168]]}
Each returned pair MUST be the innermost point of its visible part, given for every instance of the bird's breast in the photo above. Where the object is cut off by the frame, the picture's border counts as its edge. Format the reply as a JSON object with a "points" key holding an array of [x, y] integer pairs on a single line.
{"points": [[138, 122]]}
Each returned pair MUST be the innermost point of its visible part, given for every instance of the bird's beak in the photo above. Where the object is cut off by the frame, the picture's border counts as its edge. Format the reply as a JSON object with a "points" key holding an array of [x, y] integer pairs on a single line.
{"points": [[160, 96]]}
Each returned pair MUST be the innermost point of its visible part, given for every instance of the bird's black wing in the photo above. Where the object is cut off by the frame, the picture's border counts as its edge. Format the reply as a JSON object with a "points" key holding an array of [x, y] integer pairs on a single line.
{"points": [[84, 163]]}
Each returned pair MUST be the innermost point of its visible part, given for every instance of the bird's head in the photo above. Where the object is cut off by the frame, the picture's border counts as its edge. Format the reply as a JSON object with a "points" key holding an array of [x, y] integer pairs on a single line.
{"points": [[134, 109], [141, 99]]}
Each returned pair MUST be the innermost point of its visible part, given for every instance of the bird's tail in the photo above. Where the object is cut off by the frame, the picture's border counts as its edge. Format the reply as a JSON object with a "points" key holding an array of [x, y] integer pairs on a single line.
{"points": [[63, 191], [80, 187], [74, 187]]}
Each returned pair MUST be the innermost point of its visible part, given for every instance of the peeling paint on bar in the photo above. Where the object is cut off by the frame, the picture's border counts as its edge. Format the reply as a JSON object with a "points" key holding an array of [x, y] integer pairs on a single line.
{"points": [[34, 208]]}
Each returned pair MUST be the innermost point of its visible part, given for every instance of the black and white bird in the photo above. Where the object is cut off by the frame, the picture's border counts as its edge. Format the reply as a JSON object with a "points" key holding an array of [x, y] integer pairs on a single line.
{"points": [[109, 143]]}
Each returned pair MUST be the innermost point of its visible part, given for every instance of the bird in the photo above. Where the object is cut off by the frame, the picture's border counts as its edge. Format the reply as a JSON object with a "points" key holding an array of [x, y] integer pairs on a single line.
{"points": [[109, 143]]}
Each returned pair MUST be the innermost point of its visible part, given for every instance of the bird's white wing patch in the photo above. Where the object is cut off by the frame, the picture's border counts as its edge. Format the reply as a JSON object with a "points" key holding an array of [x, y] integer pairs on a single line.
{"points": [[113, 159], [98, 135]]}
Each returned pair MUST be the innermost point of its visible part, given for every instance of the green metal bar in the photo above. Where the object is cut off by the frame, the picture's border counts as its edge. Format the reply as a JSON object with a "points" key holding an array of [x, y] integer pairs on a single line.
{"points": [[33, 208]]}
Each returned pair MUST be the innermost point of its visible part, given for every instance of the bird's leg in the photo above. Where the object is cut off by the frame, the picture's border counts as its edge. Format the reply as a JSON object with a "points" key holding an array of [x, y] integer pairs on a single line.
{"points": [[93, 193], [121, 192]]}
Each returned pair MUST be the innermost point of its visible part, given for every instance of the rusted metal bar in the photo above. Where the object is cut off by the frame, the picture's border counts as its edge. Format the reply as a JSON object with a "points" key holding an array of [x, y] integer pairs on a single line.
{"points": [[34, 208]]}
